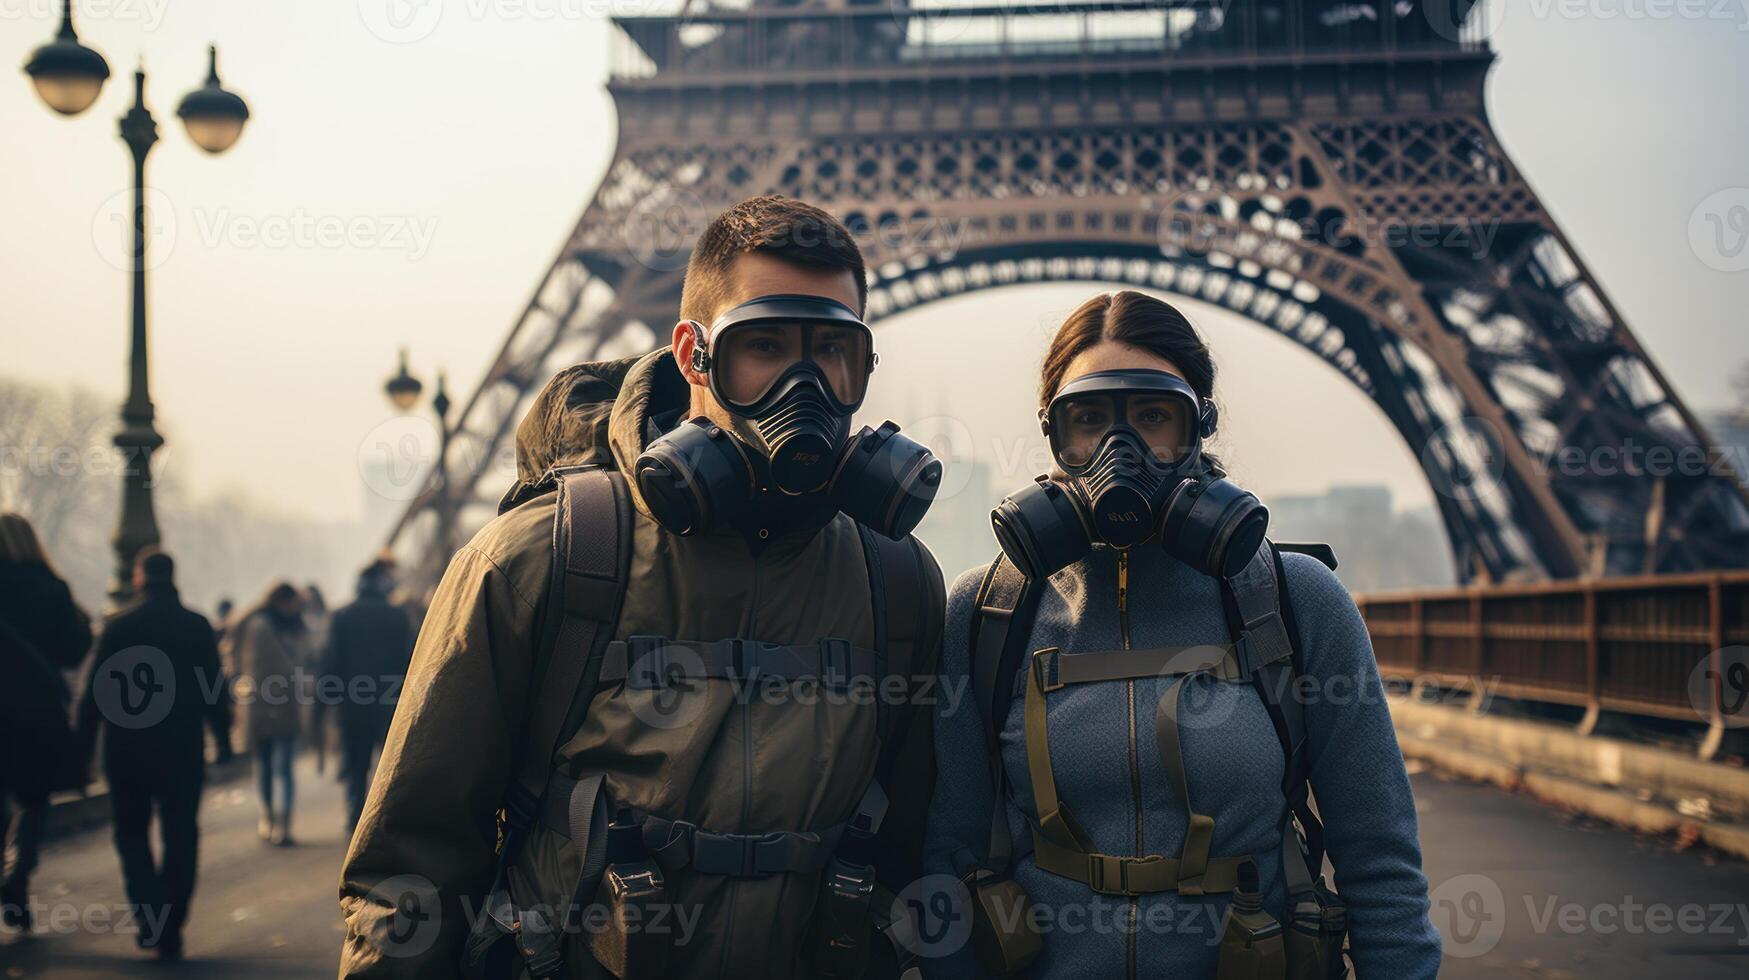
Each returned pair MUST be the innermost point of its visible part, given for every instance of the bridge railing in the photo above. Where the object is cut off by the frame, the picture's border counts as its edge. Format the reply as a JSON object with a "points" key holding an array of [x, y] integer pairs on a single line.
{"points": [[739, 44], [1657, 646]]}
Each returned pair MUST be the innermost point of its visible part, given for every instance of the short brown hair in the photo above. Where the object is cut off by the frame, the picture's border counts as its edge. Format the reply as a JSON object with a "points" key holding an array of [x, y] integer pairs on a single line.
{"points": [[778, 226]]}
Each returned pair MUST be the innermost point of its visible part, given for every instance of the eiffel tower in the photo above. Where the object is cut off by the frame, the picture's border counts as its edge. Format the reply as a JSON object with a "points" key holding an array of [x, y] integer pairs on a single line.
{"points": [[1324, 169]]}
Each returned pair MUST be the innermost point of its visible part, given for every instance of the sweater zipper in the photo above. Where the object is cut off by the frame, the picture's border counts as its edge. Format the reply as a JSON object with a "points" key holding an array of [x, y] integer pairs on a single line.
{"points": [[1123, 622]]}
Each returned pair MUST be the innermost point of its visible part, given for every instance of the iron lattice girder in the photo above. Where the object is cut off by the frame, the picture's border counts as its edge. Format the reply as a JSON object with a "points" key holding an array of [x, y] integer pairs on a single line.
{"points": [[1402, 247]]}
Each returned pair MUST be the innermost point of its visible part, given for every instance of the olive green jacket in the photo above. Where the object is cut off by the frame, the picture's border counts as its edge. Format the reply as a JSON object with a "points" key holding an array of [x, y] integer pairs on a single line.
{"points": [[430, 822]]}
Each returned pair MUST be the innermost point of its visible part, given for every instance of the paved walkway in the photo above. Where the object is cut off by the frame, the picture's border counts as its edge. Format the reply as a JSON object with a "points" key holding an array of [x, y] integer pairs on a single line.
{"points": [[1520, 890]]}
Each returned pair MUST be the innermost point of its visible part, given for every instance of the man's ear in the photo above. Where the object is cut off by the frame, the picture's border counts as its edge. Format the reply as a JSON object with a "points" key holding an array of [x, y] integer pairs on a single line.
{"points": [[685, 344]]}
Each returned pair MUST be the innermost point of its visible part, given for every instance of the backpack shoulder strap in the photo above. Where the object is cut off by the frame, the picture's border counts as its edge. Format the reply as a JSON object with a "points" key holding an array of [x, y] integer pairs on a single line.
{"points": [[1002, 617], [906, 592], [592, 527], [1263, 624]]}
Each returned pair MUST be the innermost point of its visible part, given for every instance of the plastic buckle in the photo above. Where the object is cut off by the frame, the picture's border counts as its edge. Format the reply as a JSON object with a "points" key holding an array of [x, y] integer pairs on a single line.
{"points": [[1044, 665], [534, 939], [1101, 869], [738, 855], [835, 663], [647, 662]]}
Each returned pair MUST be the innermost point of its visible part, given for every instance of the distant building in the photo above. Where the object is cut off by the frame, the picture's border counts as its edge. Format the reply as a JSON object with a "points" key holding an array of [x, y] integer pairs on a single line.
{"points": [[1730, 434], [1377, 548]]}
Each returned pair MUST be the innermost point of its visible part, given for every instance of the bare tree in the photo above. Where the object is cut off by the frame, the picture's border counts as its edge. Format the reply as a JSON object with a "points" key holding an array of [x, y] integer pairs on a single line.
{"points": [[59, 469], [55, 460]]}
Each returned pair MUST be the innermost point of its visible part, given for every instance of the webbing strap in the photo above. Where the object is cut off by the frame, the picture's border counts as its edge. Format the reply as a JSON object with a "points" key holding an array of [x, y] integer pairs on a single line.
{"points": [[591, 548], [651, 662], [1053, 823], [678, 844], [1112, 875], [1262, 585], [1199, 830], [1262, 637], [1005, 600], [1063, 669]]}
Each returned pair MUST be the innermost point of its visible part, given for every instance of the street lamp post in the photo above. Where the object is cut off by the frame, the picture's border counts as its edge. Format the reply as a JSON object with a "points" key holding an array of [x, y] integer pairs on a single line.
{"points": [[403, 390], [138, 437], [68, 76]]}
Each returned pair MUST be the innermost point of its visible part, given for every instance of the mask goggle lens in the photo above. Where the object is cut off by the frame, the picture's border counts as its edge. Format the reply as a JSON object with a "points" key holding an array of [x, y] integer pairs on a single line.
{"points": [[749, 358], [1166, 420]]}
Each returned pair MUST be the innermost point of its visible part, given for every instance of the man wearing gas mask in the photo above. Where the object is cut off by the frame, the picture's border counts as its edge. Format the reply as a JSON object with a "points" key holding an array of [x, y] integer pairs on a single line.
{"points": [[668, 714]]}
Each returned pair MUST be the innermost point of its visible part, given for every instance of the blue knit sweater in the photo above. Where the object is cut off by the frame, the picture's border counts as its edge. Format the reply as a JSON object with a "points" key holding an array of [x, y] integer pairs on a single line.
{"points": [[1234, 768]]}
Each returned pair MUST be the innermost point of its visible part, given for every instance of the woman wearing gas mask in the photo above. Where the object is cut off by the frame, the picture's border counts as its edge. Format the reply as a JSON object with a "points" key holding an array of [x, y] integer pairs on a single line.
{"points": [[1172, 722]]}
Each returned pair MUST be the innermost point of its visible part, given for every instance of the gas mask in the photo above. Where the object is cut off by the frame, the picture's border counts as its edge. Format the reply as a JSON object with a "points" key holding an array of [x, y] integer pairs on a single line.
{"points": [[1129, 444], [790, 370]]}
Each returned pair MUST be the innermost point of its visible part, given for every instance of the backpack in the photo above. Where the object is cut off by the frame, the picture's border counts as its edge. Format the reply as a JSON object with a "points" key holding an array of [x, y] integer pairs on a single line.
{"points": [[1266, 649], [592, 545]]}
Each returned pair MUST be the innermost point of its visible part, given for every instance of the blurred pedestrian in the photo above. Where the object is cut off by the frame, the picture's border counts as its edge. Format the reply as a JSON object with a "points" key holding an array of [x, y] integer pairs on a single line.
{"points": [[271, 658], [153, 683], [222, 617], [42, 632], [370, 642]]}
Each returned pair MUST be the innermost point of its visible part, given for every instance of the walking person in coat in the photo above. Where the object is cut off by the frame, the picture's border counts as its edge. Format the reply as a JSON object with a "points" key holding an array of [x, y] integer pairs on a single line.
{"points": [[42, 632], [271, 658], [153, 683], [369, 644]]}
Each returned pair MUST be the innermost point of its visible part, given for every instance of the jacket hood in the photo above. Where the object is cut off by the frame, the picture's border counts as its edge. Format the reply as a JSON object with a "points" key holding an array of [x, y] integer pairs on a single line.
{"points": [[599, 413]]}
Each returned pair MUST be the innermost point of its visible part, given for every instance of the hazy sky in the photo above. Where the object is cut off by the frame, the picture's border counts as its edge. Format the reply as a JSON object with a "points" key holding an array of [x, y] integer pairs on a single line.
{"points": [[390, 194]]}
